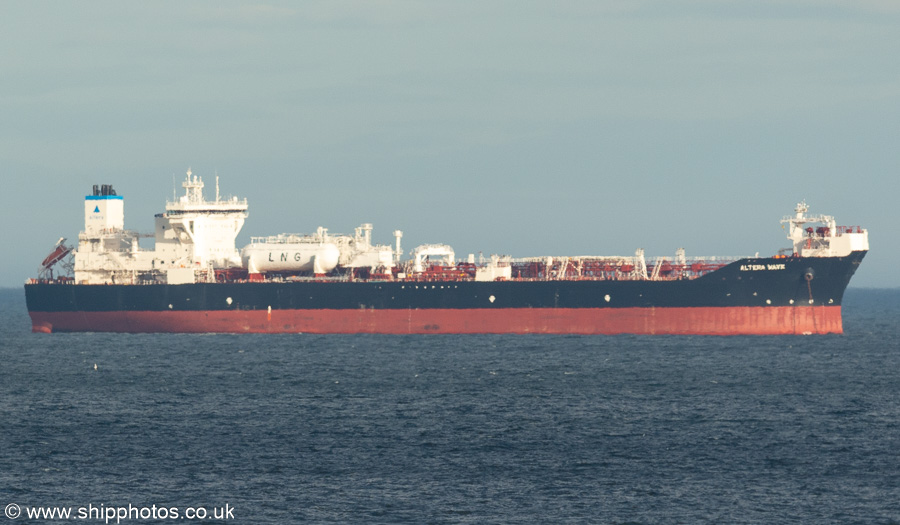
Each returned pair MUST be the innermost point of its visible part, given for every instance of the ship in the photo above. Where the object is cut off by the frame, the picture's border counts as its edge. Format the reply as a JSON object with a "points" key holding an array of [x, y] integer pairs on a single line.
{"points": [[195, 280]]}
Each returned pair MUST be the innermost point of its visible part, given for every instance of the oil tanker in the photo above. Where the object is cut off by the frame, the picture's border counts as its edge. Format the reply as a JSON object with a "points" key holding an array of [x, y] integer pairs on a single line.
{"points": [[196, 280]]}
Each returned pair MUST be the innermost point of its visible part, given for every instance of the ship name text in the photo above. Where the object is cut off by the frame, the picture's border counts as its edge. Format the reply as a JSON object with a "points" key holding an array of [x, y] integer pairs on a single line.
{"points": [[758, 267]]}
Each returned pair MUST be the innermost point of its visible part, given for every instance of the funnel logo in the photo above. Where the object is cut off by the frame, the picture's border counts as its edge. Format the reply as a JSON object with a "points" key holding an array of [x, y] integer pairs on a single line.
{"points": [[96, 209]]}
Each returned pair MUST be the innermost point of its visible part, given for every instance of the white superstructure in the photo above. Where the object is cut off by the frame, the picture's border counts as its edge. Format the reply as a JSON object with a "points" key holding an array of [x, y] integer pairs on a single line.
{"points": [[193, 238], [106, 251], [826, 240], [202, 231]]}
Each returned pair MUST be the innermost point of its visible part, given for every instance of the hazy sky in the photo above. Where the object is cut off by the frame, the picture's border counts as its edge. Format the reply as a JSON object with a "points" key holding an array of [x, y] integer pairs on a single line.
{"points": [[522, 128]]}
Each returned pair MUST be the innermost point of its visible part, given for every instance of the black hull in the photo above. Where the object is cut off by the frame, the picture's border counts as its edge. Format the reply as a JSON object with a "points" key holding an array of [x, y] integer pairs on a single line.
{"points": [[755, 283]]}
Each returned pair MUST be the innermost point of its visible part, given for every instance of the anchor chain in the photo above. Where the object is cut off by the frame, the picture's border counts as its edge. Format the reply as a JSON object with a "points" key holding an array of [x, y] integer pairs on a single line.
{"points": [[809, 275]]}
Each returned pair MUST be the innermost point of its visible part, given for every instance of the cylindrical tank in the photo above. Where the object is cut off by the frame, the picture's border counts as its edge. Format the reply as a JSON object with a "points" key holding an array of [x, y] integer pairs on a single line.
{"points": [[290, 257]]}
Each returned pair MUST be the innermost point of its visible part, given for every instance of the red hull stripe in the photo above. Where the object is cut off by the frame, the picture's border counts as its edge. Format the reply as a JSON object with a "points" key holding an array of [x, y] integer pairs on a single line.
{"points": [[705, 320]]}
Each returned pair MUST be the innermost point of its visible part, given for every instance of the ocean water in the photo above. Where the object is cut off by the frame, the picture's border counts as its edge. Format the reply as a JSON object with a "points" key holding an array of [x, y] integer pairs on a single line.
{"points": [[455, 429]]}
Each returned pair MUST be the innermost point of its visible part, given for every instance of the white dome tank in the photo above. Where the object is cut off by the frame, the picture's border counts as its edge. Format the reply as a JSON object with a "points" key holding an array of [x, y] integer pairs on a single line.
{"points": [[290, 254]]}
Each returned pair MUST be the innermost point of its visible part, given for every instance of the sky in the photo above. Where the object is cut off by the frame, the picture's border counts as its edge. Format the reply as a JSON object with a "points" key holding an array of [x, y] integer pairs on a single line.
{"points": [[510, 127]]}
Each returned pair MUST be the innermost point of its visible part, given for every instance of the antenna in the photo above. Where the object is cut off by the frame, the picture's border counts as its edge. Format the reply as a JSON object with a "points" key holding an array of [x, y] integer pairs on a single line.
{"points": [[217, 185], [174, 196]]}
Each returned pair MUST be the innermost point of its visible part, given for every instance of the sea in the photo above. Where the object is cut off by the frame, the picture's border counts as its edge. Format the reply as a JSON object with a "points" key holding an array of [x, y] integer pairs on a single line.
{"points": [[479, 429]]}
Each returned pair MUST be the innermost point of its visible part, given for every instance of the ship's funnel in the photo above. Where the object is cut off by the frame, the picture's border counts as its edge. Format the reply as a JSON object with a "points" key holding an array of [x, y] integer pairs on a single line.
{"points": [[104, 211]]}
